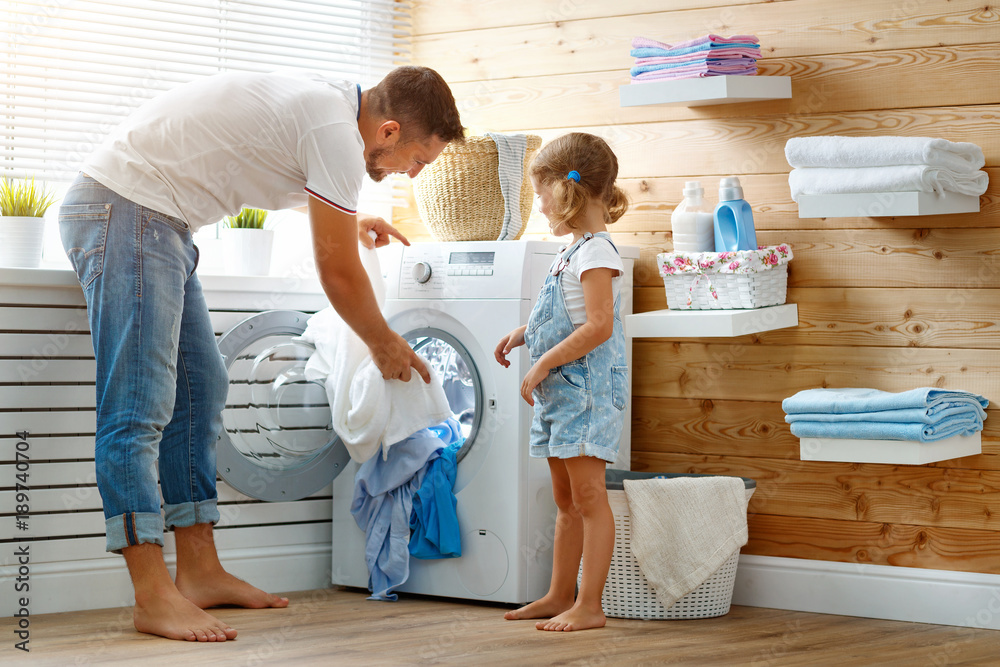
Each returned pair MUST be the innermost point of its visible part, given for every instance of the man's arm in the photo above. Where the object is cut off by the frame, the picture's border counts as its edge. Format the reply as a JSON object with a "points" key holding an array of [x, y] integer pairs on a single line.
{"points": [[335, 245]]}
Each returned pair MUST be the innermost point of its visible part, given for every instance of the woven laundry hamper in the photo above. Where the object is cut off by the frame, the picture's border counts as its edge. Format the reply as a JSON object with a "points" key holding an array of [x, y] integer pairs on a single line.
{"points": [[458, 195], [727, 280], [627, 592]]}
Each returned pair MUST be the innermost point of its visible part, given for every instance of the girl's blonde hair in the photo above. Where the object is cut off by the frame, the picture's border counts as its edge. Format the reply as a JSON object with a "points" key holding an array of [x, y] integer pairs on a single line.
{"points": [[592, 159]]}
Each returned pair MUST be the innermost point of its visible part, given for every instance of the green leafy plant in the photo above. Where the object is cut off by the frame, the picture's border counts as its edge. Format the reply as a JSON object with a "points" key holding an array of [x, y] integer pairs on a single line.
{"points": [[24, 198], [248, 218]]}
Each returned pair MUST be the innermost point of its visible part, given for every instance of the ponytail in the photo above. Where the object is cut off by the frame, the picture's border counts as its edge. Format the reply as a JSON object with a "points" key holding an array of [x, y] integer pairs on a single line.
{"points": [[617, 203]]}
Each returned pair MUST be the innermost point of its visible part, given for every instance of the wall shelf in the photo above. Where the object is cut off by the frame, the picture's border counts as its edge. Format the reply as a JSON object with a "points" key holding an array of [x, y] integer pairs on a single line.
{"points": [[883, 204], [710, 323], [902, 452], [704, 91]]}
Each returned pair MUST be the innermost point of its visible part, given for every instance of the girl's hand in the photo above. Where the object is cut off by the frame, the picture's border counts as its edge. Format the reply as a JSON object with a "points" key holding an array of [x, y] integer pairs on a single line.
{"points": [[514, 339], [534, 377]]}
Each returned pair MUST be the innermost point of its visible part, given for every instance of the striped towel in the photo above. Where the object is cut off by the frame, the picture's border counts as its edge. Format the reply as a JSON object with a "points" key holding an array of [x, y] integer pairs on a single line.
{"points": [[704, 42], [510, 150]]}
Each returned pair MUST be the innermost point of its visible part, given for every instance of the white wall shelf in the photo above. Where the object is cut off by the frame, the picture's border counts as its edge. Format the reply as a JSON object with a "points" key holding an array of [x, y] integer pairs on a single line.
{"points": [[902, 452], [705, 91], [710, 323], [884, 204]]}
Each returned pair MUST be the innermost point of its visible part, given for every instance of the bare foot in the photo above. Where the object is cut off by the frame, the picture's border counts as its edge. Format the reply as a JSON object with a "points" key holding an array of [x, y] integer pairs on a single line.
{"points": [[576, 618], [221, 588], [169, 614], [545, 607]]}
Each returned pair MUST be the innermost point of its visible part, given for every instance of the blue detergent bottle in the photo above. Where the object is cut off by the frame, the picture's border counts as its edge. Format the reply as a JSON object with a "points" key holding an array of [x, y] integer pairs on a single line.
{"points": [[733, 219]]}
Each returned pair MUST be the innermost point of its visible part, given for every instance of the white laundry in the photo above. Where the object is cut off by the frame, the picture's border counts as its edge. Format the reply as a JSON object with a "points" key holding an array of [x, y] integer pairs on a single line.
{"points": [[684, 529], [900, 178], [850, 152], [368, 411]]}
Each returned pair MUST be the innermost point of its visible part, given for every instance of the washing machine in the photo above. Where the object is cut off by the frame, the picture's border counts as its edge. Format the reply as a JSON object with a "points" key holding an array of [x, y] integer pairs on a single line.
{"points": [[452, 302]]}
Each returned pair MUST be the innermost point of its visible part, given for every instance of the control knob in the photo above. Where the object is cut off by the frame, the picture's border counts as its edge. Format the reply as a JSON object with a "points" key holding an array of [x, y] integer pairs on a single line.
{"points": [[421, 272]]}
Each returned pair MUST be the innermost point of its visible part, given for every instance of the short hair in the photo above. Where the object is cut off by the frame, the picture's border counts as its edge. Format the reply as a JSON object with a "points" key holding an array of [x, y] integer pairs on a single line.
{"points": [[590, 157], [420, 101]]}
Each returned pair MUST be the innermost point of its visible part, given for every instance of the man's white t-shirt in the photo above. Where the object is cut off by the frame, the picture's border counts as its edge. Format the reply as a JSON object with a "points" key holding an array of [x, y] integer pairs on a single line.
{"points": [[206, 149], [596, 253]]}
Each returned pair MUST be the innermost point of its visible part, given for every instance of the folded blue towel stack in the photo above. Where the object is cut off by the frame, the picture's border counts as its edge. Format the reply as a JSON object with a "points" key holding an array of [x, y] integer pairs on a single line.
{"points": [[923, 415]]}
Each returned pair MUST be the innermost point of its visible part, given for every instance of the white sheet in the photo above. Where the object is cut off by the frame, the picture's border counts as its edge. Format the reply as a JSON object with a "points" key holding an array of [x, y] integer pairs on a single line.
{"points": [[368, 412]]}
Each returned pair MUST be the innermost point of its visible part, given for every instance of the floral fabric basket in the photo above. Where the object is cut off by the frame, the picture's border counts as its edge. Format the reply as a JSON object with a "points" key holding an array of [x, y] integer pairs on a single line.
{"points": [[725, 280]]}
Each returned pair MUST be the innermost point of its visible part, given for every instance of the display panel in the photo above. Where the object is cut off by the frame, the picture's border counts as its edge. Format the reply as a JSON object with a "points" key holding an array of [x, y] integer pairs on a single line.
{"points": [[471, 258]]}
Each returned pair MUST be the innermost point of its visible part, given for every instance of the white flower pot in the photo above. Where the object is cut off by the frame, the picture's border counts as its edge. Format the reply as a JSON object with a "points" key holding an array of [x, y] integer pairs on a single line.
{"points": [[21, 241], [247, 252]]}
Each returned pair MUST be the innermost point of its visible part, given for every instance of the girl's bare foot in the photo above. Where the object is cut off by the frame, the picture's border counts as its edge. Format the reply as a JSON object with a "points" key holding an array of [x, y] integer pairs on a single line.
{"points": [[169, 614], [576, 618], [545, 607], [221, 588]]}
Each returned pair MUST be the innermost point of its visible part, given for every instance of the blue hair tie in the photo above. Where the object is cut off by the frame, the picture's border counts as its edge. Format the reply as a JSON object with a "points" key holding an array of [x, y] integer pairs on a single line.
{"points": [[574, 176]]}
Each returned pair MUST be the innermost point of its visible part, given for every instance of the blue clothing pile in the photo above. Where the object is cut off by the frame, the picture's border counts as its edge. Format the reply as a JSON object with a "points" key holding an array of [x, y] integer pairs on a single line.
{"points": [[922, 415], [412, 489]]}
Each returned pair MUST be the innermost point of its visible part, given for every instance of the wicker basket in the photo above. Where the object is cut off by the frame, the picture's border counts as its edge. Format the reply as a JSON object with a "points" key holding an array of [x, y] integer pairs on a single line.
{"points": [[734, 290], [628, 594], [458, 195]]}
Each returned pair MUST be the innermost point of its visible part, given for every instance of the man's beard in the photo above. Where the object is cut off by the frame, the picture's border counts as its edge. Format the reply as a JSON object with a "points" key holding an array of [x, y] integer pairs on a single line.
{"points": [[371, 162]]}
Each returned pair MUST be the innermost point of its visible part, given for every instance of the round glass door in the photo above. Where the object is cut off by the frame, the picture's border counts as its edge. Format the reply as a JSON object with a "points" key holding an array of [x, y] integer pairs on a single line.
{"points": [[459, 377], [277, 440]]}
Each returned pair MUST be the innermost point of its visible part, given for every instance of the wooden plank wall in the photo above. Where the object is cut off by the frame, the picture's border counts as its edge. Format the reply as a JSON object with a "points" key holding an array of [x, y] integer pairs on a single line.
{"points": [[890, 303]]}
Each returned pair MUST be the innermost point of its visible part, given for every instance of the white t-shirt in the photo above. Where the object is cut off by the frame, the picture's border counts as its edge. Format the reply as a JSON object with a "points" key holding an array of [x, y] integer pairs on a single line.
{"points": [[206, 149], [597, 253]]}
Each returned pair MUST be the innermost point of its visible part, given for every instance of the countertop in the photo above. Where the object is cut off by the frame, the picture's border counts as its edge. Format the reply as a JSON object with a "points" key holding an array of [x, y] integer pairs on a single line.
{"points": [[56, 277]]}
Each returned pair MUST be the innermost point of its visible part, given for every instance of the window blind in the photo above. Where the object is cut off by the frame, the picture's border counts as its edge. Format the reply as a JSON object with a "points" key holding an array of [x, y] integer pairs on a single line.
{"points": [[73, 69]]}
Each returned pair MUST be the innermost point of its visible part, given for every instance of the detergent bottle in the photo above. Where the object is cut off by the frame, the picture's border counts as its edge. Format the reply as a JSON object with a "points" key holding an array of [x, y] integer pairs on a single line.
{"points": [[733, 219], [692, 222]]}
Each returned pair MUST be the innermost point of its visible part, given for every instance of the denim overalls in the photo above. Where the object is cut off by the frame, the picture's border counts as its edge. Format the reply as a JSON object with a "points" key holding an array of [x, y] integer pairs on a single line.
{"points": [[579, 406]]}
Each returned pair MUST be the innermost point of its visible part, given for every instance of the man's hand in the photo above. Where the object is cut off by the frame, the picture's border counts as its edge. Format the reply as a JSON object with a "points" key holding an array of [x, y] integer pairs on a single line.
{"points": [[335, 244], [382, 229], [395, 358]]}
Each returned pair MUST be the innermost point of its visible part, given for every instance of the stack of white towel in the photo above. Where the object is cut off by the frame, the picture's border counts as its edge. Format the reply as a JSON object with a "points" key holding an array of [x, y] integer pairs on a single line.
{"points": [[841, 165]]}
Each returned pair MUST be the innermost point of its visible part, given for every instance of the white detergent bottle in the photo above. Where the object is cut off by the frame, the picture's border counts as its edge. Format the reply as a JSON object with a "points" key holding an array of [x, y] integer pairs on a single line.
{"points": [[692, 223]]}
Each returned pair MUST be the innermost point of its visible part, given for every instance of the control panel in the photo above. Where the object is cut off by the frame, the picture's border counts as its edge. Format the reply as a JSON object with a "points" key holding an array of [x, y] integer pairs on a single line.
{"points": [[469, 269]]}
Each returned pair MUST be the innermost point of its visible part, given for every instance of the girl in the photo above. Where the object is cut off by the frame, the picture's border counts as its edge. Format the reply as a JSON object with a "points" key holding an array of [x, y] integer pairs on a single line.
{"points": [[578, 383]]}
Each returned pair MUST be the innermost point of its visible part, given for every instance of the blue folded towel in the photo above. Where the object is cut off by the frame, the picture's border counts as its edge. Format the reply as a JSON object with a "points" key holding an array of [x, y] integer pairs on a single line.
{"points": [[860, 430], [848, 400], [912, 415], [653, 52]]}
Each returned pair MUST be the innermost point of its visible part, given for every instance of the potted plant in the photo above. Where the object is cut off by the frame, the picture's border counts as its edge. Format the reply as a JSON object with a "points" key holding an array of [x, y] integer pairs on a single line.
{"points": [[246, 244], [22, 225]]}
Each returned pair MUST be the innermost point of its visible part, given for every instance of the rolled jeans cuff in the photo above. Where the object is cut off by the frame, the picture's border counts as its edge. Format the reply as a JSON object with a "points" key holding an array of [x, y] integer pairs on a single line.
{"points": [[132, 528], [183, 515]]}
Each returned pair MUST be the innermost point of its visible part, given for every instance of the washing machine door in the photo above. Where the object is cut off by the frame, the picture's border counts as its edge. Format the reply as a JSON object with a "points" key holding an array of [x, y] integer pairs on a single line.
{"points": [[459, 377], [277, 440]]}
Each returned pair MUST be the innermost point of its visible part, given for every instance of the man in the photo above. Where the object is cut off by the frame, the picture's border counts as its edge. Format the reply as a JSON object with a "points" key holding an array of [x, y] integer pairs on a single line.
{"points": [[184, 160]]}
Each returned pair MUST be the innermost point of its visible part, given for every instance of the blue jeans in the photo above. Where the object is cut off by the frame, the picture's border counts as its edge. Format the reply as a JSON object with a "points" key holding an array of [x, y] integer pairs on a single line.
{"points": [[161, 382]]}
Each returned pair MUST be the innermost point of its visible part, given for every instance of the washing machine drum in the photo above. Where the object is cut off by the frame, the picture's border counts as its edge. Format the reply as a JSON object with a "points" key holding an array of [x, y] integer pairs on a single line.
{"points": [[277, 440]]}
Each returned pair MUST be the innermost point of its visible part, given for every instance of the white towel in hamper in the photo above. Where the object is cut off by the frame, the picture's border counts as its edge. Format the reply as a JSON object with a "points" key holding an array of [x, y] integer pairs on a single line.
{"points": [[510, 151], [684, 529], [901, 178], [838, 151]]}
